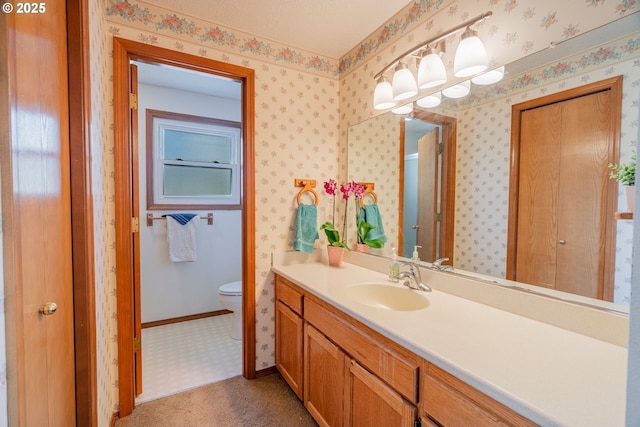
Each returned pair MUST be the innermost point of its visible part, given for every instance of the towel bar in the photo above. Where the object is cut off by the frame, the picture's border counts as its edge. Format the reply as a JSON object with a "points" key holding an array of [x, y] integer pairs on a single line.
{"points": [[151, 218]]}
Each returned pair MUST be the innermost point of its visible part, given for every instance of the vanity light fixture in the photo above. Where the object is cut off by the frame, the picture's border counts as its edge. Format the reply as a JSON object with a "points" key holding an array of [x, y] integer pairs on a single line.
{"points": [[403, 109], [459, 90], [404, 84], [383, 95], [471, 56], [431, 69], [490, 77], [430, 101]]}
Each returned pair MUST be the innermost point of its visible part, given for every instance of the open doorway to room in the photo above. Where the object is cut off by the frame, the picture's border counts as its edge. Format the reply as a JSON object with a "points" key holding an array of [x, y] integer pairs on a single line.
{"points": [[141, 228]]}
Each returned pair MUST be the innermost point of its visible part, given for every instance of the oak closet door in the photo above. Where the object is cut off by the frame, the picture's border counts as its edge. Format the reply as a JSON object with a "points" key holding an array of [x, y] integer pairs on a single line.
{"points": [[563, 180], [584, 176], [538, 196]]}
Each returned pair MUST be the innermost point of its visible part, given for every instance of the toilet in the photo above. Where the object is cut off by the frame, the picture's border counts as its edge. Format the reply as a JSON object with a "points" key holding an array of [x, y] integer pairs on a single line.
{"points": [[230, 296]]}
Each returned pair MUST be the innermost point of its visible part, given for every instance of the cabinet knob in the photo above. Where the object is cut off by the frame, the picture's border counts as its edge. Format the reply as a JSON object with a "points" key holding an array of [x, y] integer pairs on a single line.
{"points": [[562, 242]]}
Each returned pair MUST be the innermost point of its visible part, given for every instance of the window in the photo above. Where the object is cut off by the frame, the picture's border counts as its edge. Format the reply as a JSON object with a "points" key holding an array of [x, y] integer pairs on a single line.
{"points": [[192, 162]]}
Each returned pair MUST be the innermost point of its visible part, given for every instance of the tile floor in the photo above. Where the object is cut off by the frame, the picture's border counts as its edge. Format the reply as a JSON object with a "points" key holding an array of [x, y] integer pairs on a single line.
{"points": [[184, 355]]}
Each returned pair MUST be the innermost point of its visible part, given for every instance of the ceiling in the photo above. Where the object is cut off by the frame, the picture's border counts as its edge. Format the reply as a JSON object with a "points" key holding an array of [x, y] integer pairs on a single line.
{"points": [[327, 27]]}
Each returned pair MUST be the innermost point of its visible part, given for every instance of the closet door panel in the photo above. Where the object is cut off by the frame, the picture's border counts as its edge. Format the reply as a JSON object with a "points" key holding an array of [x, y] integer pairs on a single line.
{"points": [[538, 195], [586, 130]]}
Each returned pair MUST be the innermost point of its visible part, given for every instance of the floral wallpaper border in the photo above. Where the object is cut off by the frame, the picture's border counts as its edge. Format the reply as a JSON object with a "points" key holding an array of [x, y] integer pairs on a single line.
{"points": [[158, 20]]}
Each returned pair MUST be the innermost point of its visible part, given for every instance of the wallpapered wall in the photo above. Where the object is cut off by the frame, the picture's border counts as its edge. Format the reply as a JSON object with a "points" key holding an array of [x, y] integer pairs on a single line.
{"points": [[304, 105], [296, 137]]}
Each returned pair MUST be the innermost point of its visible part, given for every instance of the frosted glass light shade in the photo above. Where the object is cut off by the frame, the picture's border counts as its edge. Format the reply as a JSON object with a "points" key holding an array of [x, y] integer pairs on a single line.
{"points": [[383, 95], [490, 77], [431, 70], [403, 109], [430, 101], [404, 84], [458, 91], [471, 56]]}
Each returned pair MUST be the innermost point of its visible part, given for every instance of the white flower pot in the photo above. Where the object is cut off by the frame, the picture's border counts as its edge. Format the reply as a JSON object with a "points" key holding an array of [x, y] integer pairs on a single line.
{"points": [[631, 192]]}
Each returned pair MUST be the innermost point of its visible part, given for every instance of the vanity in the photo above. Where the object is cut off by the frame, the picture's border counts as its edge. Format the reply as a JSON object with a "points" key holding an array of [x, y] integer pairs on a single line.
{"points": [[358, 349]]}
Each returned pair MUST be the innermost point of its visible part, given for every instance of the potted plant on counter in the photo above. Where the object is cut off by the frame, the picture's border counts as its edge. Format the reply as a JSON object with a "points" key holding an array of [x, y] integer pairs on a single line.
{"points": [[364, 243], [337, 244], [625, 174]]}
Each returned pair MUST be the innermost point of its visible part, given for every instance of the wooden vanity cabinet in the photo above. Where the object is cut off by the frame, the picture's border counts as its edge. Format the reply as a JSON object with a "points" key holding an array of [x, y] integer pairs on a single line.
{"points": [[347, 374], [289, 335], [448, 401]]}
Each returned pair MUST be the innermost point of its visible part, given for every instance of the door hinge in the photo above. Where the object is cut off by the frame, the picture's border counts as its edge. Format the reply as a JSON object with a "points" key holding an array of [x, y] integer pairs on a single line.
{"points": [[135, 224], [137, 344], [440, 148], [133, 101], [438, 217]]}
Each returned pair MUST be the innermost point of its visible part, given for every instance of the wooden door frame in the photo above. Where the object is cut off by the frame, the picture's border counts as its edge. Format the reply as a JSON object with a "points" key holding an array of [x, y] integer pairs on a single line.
{"points": [[82, 237], [448, 180], [614, 84], [125, 51]]}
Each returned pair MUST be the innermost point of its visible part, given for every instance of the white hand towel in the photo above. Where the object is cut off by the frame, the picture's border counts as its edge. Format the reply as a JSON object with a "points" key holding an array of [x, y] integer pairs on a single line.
{"points": [[182, 239]]}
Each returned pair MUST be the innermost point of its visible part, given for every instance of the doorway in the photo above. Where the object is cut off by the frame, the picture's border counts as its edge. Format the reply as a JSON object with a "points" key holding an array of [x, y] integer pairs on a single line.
{"points": [[127, 226], [561, 206], [188, 156], [437, 188]]}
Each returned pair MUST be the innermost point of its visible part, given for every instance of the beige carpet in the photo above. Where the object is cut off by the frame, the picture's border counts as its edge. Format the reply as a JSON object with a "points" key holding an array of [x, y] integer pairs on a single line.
{"points": [[267, 401]]}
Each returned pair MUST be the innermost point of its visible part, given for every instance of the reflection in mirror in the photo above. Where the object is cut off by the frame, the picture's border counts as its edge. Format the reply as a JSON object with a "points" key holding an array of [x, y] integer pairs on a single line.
{"points": [[483, 146]]}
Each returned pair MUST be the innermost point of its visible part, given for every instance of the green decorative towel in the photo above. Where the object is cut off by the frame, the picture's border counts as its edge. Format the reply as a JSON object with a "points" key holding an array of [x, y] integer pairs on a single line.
{"points": [[306, 231], [371, 214]]}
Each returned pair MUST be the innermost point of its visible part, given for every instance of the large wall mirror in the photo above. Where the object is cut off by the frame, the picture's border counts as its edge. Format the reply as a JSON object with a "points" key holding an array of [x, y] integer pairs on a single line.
{"points": [[382, 148]]}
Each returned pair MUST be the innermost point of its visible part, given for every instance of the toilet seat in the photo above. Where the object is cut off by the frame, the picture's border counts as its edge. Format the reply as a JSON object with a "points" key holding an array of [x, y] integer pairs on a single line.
{"points": [[233, 289]]}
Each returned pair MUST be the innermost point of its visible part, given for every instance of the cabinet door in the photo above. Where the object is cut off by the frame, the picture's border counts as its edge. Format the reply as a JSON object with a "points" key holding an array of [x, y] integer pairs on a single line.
{"points": [[289, 330], [373, 403], [324, 378]]}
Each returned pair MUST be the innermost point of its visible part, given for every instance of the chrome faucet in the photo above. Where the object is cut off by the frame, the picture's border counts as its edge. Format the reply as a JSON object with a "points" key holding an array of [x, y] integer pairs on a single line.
{"points": [[412, 278], [437, 265]]}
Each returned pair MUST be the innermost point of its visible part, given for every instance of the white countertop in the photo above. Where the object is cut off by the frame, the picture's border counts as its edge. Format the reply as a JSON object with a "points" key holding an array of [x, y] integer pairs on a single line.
{"points": [[550, 375]]}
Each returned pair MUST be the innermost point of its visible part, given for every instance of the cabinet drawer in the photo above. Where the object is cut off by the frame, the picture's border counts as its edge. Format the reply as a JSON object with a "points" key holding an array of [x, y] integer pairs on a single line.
{"points": [[451, 402], [286, 293], [400, 372]]}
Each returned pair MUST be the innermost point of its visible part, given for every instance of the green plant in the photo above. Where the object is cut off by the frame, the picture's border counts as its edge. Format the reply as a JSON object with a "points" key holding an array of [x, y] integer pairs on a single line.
{"points": [[624, 173], [333, 235], [363, 230]]}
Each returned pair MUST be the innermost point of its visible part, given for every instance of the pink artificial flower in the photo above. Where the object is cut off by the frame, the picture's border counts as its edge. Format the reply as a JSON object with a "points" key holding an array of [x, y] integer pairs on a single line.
{"points": [[330, 187], [358, 190], [345, 189]]}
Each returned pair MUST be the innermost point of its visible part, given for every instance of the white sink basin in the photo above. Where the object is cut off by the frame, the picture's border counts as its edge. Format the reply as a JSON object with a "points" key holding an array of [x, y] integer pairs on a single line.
{"points": [[380, 295]]}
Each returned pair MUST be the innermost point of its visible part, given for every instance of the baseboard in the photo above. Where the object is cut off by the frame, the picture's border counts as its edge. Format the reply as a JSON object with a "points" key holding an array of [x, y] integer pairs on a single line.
{"points": [[185, 318], [265, 372]]}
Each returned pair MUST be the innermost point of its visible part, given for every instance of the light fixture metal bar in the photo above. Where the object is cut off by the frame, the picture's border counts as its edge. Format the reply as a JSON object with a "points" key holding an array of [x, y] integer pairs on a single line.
{"points": [[436, 39]]}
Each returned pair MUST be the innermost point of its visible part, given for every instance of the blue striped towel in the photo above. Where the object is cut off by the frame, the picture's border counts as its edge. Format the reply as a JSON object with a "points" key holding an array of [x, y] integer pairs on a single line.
{"points": [[182, 237], [181, 218]]}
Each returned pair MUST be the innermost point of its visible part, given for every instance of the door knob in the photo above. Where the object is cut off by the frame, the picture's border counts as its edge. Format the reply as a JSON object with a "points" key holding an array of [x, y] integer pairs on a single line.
{"points": [[49, 308]]}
